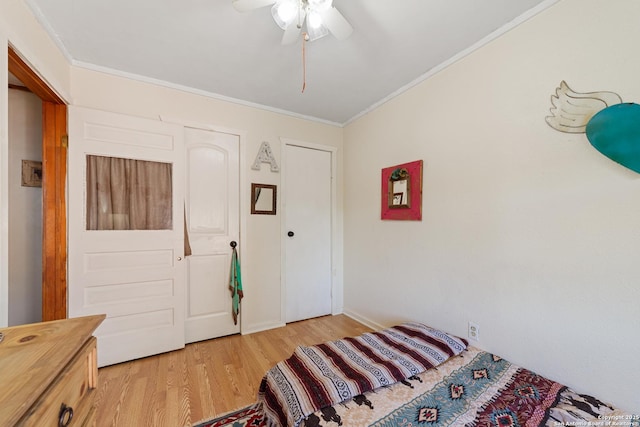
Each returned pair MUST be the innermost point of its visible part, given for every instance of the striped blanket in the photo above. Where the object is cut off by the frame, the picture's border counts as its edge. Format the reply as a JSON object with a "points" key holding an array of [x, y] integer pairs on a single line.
{"points": [[324, 375], [473, 389]]}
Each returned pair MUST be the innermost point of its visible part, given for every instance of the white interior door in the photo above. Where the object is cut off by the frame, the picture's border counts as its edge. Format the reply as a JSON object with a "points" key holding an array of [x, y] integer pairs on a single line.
{"points": [[308, 271], [212, 209], [135, 277]]}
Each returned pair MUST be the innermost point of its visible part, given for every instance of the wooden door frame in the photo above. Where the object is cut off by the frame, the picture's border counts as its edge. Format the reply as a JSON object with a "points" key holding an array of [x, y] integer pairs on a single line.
{"points": [[54, 173]]}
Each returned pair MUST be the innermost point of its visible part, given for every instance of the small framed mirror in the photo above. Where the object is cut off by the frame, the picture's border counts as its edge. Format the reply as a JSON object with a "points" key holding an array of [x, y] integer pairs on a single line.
{"points": [[399, 189], [402, 192], [263, 199]]}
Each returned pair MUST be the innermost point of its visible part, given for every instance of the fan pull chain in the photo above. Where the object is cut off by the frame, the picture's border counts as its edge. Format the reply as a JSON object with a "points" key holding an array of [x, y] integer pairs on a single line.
{"points": [[304, 61]]}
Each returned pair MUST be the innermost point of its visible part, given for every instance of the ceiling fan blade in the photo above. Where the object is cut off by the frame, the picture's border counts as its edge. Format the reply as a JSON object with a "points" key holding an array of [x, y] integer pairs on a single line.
{"points": [[291, 34], [336, 23], [247, 5]]}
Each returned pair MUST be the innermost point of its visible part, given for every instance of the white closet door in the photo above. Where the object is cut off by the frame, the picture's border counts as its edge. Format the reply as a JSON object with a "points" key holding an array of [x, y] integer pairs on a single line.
{"points": [[308, 198], [135, 277], [213, 210]]}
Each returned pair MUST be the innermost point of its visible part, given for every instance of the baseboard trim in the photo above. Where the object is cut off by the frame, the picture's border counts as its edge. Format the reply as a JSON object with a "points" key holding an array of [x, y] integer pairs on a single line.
{"points": [[353, 315], [364, 320], [261, 328]]}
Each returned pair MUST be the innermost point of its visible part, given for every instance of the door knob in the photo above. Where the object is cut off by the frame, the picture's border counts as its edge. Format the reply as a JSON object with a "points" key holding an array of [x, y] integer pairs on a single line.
{"points": [[233, 244], [290, 234]]}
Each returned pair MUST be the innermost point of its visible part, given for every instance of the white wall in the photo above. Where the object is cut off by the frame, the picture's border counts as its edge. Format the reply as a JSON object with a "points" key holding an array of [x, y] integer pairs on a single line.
{"points": [[260, 244], [20, 29], [527, 231], [25, 210]]}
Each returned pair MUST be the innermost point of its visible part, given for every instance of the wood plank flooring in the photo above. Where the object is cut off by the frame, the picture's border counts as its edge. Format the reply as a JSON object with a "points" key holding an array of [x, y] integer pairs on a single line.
{"points": [[207, 378]]}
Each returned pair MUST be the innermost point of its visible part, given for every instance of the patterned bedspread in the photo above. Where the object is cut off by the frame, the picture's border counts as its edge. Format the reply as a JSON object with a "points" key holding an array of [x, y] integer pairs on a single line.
{"points": [[474, 388], [323, 375]]}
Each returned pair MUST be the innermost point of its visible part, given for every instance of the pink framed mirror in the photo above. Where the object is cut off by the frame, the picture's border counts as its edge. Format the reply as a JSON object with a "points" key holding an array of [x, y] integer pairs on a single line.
{"points": [[401, 192]]}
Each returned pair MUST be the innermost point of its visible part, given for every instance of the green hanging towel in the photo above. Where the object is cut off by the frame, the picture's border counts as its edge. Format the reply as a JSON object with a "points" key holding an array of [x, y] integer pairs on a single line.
{"points": [[235, 285]]}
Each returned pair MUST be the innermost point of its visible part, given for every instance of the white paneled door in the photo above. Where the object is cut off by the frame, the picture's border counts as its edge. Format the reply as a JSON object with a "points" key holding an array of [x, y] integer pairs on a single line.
{"points": [[212, 212], [134, 276], [308, 245]]}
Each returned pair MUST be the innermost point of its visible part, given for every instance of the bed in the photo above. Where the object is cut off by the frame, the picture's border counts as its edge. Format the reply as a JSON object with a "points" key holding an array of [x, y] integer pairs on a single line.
{"points": [[414, 375]]}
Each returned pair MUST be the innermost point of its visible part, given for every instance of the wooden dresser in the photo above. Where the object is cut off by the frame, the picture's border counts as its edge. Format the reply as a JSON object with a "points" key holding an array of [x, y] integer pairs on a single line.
{"points": [[48, 373]]}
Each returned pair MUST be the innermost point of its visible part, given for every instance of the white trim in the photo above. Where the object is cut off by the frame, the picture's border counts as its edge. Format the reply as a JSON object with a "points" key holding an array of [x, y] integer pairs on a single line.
{"points": [[312, 145], [244, 205], [435, 70], [188, 89], [364, 320], [335, 286], [283, 223], [4, 187], [201, 125], [263, 327]]}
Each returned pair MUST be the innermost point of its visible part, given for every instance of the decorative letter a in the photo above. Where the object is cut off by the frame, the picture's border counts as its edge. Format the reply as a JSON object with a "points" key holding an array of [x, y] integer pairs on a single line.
{"points": [[265, 156]]}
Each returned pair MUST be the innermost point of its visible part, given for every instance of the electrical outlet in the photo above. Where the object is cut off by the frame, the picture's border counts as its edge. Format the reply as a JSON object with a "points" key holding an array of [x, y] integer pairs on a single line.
{"points": [[474, 331]]}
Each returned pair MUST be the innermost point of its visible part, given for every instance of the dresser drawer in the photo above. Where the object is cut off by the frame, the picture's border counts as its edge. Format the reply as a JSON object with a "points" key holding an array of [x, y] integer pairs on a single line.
{"points": [[90, 421], [72, 393]]}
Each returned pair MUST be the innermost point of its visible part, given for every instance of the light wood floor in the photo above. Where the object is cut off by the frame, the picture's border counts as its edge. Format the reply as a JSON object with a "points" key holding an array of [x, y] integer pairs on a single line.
{"points": [[207, 378]]}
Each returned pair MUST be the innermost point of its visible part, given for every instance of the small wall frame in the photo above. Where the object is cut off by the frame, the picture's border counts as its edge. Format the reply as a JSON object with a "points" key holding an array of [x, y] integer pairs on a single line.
{"points": [[31, 173], [263, 199], [401, 192]]}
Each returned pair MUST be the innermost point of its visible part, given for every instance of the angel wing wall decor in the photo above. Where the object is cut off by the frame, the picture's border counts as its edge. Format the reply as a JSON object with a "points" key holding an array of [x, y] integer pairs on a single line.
{"points": [[612, 127]]}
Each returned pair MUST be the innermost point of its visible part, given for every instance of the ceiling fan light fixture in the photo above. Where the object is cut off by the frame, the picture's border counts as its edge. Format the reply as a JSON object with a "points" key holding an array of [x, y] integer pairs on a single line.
{"points": [[316, 32], [314, 20], [320, 5], [284, 12]]}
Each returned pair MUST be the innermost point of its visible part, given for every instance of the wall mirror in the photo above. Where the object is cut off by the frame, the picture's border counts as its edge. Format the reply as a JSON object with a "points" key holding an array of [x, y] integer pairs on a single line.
{"points": [[401, 193], [399, 196], [263, 199]]}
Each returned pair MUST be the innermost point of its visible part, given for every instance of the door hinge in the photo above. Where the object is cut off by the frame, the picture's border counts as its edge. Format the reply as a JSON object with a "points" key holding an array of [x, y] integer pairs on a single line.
{"points": [[64, 141]]}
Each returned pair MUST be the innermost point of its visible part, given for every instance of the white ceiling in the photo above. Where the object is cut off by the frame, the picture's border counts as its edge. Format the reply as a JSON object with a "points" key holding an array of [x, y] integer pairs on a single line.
{"points": [[208, 47]]}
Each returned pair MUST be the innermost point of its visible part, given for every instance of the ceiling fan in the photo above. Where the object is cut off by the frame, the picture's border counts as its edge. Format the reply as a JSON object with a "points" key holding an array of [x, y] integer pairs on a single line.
{"points": [[318, 16]]}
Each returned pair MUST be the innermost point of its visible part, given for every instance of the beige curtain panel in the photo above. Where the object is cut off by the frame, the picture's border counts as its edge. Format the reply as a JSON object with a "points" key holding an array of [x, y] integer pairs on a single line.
{"points": [[128, 194]]}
